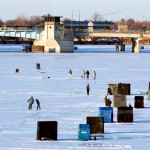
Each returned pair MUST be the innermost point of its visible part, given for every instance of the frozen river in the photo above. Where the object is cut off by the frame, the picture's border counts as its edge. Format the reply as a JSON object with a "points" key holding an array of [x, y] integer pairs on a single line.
{"points": [[65, 100]]}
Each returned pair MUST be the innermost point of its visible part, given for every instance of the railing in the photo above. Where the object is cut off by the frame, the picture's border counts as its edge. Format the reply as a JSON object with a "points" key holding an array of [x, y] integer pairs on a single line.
{"points": [[20, 29], [32, 34]]}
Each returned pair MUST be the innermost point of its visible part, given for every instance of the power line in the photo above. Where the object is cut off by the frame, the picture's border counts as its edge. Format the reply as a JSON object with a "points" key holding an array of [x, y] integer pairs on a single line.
{"points": [[113, 13], [139, 14], [128, 11]]}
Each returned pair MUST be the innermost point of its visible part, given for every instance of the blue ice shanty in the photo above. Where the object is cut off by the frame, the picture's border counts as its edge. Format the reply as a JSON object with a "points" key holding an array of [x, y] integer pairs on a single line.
{"points": [[84, 132], [107, 113]]}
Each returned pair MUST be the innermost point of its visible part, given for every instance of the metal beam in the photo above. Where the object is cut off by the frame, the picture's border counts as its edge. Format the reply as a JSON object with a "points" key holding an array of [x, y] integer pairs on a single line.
{"points": [[30, 34]]}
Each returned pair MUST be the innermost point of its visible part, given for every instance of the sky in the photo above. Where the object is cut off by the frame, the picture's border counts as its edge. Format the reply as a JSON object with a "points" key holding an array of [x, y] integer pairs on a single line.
{"points": [[138, 10]]}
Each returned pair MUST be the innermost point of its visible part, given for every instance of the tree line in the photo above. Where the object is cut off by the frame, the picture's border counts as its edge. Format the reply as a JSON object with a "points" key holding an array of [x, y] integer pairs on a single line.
{"points": [[33, 20], [23, 21]]}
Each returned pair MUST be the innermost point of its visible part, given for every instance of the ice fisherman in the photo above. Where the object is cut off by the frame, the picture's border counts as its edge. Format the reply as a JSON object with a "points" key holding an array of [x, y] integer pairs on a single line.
{"points": [[107, 101], [31, 101], [70, 73], [38, 104], [88, 89], [17, 70]]}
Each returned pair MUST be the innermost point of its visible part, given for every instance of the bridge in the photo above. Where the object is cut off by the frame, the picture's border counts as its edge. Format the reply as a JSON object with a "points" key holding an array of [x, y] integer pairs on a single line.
{"points": [[135, 36], [51, 39], [27, 34], [55, 38]]}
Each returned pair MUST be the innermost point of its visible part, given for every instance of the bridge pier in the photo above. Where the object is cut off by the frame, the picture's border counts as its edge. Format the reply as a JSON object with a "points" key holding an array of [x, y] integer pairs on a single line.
{"points": [[136, 45], [54, 39]]}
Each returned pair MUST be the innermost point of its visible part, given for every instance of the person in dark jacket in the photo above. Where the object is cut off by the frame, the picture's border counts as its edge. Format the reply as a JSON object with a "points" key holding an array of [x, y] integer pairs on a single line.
{"points": [[31, 101], [17, 70], [88, 89], [38, 104], [109, 91], [87, 74], [107, 101]]}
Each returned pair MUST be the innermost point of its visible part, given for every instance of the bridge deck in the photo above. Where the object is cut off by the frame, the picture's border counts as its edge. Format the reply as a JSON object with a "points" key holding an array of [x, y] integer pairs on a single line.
{"points": [[112, 34], [30, 34]]}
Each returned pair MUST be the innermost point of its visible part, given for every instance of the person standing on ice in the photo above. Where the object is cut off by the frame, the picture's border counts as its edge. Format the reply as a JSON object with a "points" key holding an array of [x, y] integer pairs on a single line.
{"points": [[88, 89], [84, 74], [87, 74], [107, 101], [94, 75], [31, 101], [38, 104], [70, 73]]}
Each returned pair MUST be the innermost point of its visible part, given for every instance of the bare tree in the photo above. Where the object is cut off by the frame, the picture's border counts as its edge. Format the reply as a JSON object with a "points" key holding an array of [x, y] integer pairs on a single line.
{"points": [[133, 24], [10, 23], [22, 21], [34, 20], [97, 17], [18, 21]]}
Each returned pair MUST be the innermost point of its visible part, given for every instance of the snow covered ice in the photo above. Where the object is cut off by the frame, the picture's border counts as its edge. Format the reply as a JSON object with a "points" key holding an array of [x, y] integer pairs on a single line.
{"points": [[65, 100]]}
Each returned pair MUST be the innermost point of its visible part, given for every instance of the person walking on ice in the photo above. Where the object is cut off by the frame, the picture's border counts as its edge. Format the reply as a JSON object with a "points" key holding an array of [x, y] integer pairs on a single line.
{"points": [[31, 101], [38, 104], [88, 89], [70, 73], [94, 75]]}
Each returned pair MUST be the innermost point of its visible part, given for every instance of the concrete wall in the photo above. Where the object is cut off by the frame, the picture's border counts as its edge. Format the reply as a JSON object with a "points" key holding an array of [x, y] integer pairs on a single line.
{"points": [[56, 40]]}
